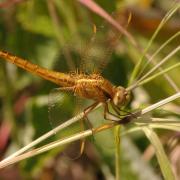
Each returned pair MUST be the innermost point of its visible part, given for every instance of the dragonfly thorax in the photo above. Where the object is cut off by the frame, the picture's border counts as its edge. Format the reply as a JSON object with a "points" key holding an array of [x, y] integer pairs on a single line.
{"points": [[120, 96]]}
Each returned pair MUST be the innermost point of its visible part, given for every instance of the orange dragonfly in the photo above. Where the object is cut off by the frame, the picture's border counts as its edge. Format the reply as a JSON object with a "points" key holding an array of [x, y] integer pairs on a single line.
{"points": [[89, 86], [92, 86]]}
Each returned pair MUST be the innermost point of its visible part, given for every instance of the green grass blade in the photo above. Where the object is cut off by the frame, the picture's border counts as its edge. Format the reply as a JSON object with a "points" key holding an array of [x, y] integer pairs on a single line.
{"points": [[158, 50], [118, 152], [159, 73], [165, 59], [166, 126], [164, 20], [160, 154]]}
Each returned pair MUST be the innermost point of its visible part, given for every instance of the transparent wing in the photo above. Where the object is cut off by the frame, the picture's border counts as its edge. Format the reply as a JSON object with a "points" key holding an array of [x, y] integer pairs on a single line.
{"points": [[88, 51], [95, 51], [103, 140], [62, 105]]}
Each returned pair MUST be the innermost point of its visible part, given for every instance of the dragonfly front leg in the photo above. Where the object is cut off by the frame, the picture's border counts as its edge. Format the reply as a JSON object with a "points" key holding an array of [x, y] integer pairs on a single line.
{"points": [[126, 118], [108, 115], [90, 108], [118, 110], [115, 108]]}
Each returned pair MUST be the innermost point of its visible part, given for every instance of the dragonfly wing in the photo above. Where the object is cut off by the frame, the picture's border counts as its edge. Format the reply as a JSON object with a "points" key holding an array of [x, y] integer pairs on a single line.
{"points": [[107, 40], [62, 107], [95, 53], [104, 140], [87, 52]]}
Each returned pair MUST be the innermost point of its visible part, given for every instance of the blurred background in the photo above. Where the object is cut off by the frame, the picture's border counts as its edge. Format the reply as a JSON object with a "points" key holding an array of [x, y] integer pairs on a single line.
{"points": [[59, 35]]}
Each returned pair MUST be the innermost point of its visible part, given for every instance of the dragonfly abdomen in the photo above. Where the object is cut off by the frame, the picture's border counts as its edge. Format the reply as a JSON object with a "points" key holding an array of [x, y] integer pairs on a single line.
{"points": [[61, 79]]}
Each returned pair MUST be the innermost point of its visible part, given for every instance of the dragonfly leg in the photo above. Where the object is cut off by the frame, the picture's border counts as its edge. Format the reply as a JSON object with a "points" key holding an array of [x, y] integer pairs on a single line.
{"points": [[128, 118], [108, 115], [115, 108], [90, 125], [112, 117], [90, 108], [87, 110], [83, 141], [118, 110]]}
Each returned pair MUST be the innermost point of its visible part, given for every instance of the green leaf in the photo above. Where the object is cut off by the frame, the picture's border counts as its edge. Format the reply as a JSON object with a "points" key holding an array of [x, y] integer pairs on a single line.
{"points": [[34, 18]]}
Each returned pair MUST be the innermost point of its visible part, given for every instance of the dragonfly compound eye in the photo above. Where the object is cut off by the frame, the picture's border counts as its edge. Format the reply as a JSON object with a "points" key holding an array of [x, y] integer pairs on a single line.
{"points": [[119, 96]]}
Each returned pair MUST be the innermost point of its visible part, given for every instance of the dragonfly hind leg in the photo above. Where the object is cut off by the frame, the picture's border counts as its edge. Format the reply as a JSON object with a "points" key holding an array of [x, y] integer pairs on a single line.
{"points": [[87, 110]]}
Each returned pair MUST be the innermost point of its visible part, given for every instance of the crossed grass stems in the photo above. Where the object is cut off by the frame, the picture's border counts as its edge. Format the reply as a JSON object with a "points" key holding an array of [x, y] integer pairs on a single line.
{"points": [[135, 117]]}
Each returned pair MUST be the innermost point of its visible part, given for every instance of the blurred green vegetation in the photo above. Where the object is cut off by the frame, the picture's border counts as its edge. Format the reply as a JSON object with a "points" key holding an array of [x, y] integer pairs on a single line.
{"points": [[41, 31]]}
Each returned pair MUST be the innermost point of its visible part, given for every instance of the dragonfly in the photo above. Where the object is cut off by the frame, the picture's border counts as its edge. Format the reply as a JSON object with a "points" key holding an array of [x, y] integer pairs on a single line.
{"points": [[93, 86]]}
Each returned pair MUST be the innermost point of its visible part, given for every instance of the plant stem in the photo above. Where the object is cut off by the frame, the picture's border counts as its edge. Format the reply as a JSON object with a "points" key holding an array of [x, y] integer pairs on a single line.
{"points": [[18, 156], [136, 84], [118, 152], [164, 20]]}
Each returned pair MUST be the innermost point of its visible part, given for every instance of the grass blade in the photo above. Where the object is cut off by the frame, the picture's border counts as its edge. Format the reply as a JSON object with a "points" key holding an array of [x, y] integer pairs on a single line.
{"points": [[16, 157], [162, 23], [158, 50], [158, 74], [160, 63], [45, 148], [160, 153], [161, 103], [43, 137]]}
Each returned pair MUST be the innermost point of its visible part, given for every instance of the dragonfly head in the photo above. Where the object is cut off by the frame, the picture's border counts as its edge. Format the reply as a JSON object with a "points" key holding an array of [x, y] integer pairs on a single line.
{"points": [[120, 96]]}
